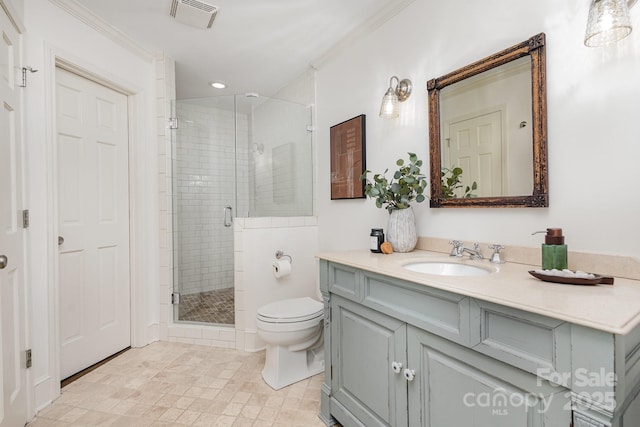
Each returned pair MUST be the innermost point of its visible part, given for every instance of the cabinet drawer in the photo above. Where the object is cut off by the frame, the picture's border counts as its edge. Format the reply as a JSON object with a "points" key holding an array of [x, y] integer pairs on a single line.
{"points": [[344, 281], [440, 312], [537, 344]]}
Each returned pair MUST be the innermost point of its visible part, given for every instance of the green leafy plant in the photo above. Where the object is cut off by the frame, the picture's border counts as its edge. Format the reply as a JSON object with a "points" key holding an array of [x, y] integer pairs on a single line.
{"points": [[451, 178], [407, 185]]}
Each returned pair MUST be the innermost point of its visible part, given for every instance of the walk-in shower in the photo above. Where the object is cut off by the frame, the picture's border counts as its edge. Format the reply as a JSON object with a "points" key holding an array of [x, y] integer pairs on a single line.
{"points": [[242, 155]]}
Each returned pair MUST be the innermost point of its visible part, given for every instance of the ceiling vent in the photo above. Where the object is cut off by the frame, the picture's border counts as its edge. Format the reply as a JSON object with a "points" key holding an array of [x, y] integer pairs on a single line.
{"points": [[194, 13]]}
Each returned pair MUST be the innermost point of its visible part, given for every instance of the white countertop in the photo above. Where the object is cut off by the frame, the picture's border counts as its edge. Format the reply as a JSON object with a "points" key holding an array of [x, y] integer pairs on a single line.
{"points": [[614, 309]]}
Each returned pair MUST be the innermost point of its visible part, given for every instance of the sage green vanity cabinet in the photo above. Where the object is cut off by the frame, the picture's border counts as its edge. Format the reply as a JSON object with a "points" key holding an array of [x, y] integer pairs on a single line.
{"points": [[399, 353], [436, 382]]}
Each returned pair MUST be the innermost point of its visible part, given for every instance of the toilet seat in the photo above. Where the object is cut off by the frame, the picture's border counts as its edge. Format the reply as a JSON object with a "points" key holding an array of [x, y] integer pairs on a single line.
{"points": [[292, 310]]}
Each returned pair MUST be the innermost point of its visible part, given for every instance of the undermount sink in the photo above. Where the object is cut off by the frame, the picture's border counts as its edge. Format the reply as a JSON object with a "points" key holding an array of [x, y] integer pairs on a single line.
{"points": [[441, 268]]}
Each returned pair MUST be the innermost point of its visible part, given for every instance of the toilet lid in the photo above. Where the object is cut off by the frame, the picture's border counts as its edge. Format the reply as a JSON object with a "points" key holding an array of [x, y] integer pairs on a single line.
{"points": [[291, 310]]}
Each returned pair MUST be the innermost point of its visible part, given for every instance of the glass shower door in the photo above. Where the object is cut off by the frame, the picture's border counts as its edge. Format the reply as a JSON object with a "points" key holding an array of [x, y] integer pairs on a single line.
{"points": [[241, 155], [204, 200]]}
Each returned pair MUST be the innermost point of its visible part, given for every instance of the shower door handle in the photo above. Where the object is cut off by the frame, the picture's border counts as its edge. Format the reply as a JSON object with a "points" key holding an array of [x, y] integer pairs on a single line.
{"points": [[228, 216]]}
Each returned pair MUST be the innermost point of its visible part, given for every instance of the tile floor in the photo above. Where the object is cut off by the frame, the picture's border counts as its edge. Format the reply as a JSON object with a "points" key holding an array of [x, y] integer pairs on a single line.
{"points": [[215, 307], [174, 384]]}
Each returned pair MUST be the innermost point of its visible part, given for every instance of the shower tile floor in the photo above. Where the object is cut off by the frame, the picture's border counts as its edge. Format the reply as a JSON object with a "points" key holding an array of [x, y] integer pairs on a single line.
{"points": [[209, 307], [175, 384]]}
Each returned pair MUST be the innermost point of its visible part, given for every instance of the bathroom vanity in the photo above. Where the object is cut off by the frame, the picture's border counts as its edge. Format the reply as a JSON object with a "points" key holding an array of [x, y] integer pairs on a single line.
{"points": [[404, 348]]}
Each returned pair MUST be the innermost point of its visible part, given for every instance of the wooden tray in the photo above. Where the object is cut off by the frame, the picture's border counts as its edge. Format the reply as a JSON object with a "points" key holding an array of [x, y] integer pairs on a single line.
{"points": [[598, 280]]}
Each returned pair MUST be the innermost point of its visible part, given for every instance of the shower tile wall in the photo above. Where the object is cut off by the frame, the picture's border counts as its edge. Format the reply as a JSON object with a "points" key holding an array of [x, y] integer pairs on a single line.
{"points": [[206, 176]]}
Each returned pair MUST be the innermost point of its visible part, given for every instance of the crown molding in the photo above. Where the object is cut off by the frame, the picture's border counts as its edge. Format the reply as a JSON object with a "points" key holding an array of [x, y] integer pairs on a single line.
{"points": [[372, 24], [12, 15], [84, 15]]}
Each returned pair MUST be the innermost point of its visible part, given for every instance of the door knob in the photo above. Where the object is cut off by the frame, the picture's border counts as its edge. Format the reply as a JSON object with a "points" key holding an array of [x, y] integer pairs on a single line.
{"points": [[3, 261], [409, 374], [396, 367], [60, 240]]}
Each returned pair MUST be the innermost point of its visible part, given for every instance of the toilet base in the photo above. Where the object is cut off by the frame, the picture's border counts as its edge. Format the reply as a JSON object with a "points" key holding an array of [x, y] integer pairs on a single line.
{"points": [[284, 367]]}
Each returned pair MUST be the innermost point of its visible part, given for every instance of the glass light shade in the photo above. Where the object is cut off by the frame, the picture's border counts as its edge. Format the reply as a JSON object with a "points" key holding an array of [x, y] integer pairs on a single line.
{"points": [[389, 107], [608, 22]]}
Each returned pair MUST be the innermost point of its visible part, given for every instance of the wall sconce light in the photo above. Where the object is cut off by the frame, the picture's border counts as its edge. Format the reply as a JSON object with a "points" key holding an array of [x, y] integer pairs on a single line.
{"points": [[389, 107], [608, 22]]}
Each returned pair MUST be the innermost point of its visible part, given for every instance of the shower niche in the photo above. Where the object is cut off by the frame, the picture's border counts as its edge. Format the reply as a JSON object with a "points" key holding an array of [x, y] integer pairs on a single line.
{"points": [[232, 156]]}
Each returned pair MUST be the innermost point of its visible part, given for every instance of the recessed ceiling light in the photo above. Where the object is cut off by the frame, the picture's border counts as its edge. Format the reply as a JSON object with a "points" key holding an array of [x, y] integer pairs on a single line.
{"points": [[217, 85]]}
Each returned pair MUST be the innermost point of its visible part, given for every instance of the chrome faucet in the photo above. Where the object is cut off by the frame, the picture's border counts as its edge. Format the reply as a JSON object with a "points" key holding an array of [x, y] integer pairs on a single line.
{"points": [[475, 253], [459, 249]]}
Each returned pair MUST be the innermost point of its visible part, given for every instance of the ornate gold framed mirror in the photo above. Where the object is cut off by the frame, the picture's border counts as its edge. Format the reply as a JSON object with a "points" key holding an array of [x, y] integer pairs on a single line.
{"points": [[488, 131]]}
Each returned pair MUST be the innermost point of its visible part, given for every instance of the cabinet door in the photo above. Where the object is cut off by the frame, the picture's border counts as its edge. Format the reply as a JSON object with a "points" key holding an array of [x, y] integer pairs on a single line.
{"points": [[455, 386], [364, 343]]}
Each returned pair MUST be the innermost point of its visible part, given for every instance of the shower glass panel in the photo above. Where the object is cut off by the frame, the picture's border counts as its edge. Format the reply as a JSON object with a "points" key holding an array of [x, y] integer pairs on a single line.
{"points": [[232, 156], [280, 167]]}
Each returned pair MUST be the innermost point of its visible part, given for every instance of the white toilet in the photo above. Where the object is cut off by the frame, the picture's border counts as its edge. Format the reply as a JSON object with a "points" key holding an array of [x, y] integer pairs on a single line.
{"points": [[292, 330]]}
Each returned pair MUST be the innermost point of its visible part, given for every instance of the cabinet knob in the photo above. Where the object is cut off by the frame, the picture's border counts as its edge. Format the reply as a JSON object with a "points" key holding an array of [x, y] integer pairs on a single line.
{"points": [[396, 367], [409, 374]]}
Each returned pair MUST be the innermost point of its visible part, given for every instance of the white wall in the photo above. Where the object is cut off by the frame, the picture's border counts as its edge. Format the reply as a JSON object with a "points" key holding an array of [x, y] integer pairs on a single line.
{"points": [[165, 100], [54, 34], [593, 111]]}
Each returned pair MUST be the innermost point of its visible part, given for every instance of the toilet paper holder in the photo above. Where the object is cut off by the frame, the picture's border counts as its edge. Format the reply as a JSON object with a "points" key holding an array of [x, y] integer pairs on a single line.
{"points": [[280, 254]]}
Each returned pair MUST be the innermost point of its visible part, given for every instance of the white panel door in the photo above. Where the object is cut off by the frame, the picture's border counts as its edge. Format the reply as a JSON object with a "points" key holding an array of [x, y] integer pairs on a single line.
{"points": [[12, 278], [475, 145], [93, 221]]}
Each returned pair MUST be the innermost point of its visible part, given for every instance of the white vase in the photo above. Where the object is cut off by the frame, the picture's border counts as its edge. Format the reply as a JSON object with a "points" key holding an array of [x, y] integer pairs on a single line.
{"points": [[401, 231]]}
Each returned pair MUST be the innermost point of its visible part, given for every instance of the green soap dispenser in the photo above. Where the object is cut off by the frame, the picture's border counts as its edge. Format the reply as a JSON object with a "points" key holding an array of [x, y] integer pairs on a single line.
{"points": [[554, 251]]}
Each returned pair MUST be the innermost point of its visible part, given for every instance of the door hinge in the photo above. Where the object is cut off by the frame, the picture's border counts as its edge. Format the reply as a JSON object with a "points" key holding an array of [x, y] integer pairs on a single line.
{"points": [[24, 75], [25, 218], [175, 298], [173, 123], [27, 362]]}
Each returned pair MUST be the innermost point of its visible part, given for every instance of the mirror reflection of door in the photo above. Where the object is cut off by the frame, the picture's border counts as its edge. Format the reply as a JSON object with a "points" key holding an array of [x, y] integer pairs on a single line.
{"points": [[475, 144], [495, 108]]}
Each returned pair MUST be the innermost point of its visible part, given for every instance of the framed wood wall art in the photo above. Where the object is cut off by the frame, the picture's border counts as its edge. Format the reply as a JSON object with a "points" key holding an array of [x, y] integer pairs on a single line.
{"points": [[347, 140]]}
